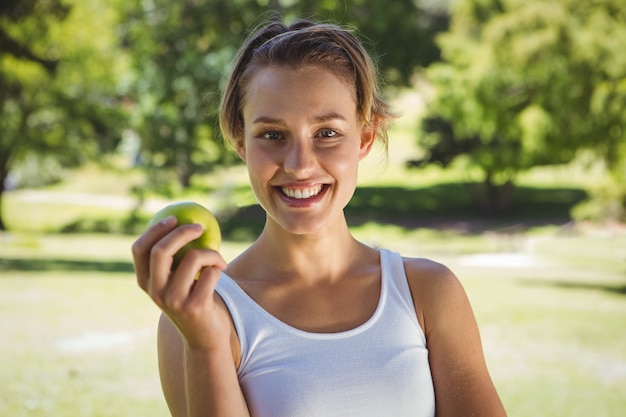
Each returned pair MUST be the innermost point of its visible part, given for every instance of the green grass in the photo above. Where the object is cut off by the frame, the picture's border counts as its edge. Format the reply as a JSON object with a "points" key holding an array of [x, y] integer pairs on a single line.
{"points": [[553, 349], [50, 367], [79, 336]]}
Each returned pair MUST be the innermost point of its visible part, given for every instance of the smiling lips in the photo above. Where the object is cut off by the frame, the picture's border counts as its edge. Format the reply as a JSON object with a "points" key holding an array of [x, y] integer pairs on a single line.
{"points": [[302, 193]]}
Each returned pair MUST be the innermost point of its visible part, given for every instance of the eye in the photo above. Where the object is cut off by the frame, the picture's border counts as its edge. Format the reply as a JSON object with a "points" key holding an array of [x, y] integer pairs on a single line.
{"points": [[272, 135], [327, 133]]}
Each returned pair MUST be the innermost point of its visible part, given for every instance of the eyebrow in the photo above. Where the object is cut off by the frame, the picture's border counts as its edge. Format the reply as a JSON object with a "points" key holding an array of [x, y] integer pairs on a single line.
{"points": [[268, 120], [317, 119], [329, 116]]}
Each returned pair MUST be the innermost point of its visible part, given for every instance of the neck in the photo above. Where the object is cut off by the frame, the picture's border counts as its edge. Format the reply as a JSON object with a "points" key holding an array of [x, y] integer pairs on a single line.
{"points": [[280, 255]]}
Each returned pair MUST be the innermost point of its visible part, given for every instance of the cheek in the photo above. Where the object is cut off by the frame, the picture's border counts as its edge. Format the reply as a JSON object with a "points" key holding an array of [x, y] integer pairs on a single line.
{"points": [[345, 167], [260, 166], [345, 161], [258, 178]]}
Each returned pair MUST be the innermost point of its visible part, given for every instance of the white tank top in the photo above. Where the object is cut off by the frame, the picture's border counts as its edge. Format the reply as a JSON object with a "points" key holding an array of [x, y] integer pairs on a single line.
{"points": [[378, 369]]}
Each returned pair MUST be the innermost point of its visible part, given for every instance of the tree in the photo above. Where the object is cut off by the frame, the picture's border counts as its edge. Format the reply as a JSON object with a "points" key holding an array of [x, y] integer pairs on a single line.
{"points": [[181, 50], [16, 104], [529, 83], [57, 85], [400, 34]]}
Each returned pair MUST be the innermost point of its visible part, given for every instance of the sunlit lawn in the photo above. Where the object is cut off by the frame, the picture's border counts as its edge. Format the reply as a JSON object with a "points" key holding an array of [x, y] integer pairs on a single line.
{"points": [[78, 336], [78, 342], [554, 335]]}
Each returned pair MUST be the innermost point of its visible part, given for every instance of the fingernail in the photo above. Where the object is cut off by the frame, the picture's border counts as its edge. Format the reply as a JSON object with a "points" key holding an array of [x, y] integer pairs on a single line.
{"points": [[168, 221]]}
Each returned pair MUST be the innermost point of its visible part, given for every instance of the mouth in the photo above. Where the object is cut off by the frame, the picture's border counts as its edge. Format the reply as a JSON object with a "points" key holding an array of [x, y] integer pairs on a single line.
{"points": [[302, 193]]}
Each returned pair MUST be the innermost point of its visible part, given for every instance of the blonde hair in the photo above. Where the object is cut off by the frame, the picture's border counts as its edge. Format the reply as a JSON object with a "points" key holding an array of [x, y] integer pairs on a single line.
{"points": [[304, 44]]}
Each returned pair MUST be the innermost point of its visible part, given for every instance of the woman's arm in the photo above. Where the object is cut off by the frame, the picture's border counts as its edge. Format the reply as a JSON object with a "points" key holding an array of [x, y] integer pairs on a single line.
{"points": [[463, 386], [197, 342], [195, 382]]}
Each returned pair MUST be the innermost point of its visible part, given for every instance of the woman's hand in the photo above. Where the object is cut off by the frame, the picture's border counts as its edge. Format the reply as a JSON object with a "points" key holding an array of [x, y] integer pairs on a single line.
{"points": [[186, 295]]}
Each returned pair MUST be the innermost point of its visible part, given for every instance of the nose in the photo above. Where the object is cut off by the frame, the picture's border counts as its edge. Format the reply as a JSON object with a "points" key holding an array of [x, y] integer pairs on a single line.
{"points": [[299, 159]]}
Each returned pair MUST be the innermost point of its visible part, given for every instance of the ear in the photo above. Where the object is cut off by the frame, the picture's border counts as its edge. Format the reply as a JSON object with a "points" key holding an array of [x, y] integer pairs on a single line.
{"points": [[369, 132], [241, 150]]}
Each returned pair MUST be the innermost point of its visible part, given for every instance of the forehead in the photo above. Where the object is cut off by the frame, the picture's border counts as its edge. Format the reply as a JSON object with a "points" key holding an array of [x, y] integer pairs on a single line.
{"points": [[275, 90]]}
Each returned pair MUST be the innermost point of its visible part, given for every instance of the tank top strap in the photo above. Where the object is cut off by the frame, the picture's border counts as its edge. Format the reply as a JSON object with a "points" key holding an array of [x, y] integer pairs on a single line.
{"points": [[235, 299], [399, 293]]}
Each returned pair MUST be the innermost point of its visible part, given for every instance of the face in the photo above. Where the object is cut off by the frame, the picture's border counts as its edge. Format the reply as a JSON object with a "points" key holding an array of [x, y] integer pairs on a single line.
{"points": [[302, 145]]}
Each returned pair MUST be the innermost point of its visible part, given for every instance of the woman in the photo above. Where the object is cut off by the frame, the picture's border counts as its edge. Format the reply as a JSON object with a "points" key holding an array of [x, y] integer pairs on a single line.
{"points": [[308, 321]]}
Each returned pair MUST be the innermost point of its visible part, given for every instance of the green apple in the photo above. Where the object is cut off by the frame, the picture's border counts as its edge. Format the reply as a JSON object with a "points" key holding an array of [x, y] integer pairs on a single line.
{"points": [[188, 212]]}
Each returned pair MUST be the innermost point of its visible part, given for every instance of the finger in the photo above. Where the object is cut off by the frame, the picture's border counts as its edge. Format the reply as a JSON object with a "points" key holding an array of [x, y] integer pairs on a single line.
{"points": [[204, 288], [183, 280], [143, 245], [196, 259], [162, 256]]}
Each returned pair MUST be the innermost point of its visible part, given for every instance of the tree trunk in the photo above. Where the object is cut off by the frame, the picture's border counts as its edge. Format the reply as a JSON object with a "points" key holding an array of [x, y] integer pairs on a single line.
{"points": [[183, 168], [497, 197], [4, 173], [490, 204], [2, 190]]}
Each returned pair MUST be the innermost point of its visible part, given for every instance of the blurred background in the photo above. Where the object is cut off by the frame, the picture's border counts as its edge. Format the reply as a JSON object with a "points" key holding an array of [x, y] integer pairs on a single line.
{"points": [[508, 164]]}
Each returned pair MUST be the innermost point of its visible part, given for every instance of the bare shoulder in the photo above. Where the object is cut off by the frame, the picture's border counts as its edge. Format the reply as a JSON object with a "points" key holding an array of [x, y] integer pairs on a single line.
{"points": [[461, 379], [427, 271], [434, 288]]}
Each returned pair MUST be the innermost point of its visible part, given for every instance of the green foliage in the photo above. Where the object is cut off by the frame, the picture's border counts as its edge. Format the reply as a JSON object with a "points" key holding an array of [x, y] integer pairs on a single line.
{"points": [[399, 34], [607, 201], [181, 51], [35, 171], [530, 83], [58, 82]]}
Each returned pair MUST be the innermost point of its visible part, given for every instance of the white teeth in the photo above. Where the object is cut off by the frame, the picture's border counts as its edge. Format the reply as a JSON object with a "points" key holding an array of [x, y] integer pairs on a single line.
{"points": [[301, 193]]}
